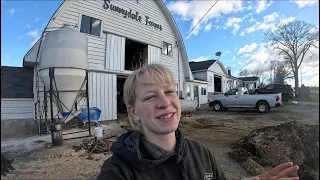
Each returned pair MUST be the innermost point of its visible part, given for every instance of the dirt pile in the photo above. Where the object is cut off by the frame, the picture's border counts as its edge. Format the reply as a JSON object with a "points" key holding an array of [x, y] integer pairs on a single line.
{"points": [[271, 146], [99, 146], [5, 165]]}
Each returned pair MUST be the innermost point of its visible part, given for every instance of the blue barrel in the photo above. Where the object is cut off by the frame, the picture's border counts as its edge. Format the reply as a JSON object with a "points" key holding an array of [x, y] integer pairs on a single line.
{"points": [[94, 114]]}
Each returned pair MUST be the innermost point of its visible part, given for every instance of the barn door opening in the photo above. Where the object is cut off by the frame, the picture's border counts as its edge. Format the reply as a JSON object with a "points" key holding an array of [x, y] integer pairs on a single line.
{"points": [[135, 55]]}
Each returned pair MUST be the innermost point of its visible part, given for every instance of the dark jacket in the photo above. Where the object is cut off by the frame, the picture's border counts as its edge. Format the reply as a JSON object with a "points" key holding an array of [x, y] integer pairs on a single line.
{"points": [[135, 158]]}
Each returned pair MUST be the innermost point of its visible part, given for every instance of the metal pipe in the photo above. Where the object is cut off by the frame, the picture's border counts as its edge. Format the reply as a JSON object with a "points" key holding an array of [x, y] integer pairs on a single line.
{"points": [[56, 128], [87, 92], [51, 92]]}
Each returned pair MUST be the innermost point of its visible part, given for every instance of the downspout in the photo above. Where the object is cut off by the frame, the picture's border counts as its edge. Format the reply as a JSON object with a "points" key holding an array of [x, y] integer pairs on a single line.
{"points": [[179, 94]]}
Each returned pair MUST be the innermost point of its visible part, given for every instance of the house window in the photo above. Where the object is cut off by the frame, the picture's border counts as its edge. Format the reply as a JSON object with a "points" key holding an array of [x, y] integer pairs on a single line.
{"points": [[188, 91], [166, 48], [203, 91], [90, 25]]}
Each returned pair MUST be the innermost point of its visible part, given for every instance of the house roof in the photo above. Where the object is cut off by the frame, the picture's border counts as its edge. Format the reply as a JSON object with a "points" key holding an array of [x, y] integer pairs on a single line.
{"points": [[252, 78], [16, 82], [202, 65]]}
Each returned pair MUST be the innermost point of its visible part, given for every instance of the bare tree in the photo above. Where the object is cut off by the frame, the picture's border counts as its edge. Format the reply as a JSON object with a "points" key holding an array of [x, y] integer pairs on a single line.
{"points": [[244, 73], [278, 71], [293, 41]]}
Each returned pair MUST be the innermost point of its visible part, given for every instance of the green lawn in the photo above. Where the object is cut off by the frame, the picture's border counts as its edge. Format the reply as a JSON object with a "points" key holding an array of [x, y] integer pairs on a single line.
{"points": [[313, 98]]}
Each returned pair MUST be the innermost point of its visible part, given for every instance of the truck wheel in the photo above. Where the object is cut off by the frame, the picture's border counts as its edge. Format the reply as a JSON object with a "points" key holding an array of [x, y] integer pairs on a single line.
{"points": [[262, 107], [217, 106], [285, 98]]}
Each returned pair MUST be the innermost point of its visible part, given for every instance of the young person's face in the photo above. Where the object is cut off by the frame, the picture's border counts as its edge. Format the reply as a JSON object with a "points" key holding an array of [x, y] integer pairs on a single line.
{"points": [[157, 106]]}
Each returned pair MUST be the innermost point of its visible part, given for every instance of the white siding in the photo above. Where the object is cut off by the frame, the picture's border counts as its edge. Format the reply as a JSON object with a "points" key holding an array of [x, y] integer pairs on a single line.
{"points": [[114, 23], [103, 94], [153, 54], [31, 56], [210, 86], [17, 108], [217, 69], [200, 75], [115, 52]]}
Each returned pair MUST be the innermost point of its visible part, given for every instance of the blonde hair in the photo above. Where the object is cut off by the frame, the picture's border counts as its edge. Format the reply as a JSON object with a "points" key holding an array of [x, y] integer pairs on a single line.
{"points": [[158, 72]]}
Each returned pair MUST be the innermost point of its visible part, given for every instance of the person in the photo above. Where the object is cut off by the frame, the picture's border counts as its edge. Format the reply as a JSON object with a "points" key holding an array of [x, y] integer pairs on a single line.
{"points": [[156, 149]]}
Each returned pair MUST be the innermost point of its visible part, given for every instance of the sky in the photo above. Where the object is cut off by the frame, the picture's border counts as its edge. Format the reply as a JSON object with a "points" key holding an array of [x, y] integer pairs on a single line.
{"points": [[234, 28]]}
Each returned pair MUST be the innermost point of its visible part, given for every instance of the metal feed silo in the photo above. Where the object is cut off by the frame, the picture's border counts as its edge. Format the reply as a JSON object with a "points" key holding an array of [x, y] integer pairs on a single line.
{"points": [[64, 50]]}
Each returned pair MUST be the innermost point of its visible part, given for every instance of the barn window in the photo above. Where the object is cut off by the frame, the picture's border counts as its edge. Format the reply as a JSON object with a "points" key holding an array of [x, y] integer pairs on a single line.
{"points": [[167, 48], [90, 25]]}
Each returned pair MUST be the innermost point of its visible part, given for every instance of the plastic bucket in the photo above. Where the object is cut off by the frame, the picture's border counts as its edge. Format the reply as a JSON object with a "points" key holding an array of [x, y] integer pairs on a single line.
{"points": [[98, 132]]}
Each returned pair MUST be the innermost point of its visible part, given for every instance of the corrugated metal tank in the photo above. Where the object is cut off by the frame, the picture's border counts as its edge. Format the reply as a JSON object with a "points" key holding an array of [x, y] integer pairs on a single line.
{"points": [[65, 50]]}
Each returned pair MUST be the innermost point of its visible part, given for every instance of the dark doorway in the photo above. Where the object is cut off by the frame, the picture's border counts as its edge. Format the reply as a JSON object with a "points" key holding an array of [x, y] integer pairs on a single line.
{"points": [[121, 107], [136, 55], [217, 84]]}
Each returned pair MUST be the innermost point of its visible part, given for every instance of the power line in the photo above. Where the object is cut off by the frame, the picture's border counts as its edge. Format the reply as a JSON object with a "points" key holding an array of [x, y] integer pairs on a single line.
{"points": [[200, 19], [302, 8]]}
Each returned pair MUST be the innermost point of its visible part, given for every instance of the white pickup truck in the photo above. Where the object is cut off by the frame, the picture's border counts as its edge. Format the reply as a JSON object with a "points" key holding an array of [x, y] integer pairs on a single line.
{"points": [[240, 98]]}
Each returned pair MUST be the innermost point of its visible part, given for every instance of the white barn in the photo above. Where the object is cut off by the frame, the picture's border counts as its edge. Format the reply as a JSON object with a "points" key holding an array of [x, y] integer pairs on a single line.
{"points": [[122, 35]]}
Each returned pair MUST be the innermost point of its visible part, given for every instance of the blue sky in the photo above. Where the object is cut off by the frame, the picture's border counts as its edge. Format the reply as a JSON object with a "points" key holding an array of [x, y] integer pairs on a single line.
{"points": [[235, 28]]}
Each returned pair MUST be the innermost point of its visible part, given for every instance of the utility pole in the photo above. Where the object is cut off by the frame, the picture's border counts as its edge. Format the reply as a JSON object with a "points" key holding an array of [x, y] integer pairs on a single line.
{"points": [[301, 75]]}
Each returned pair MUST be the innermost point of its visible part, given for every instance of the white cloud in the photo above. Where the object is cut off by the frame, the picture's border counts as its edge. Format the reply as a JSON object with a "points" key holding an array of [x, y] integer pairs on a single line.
{"points": [[201, 58], [194, 10], [260, 59], [208, 27], [269, 23], [286, 21], [239, 62], [12, 11], [271, 17], [37, 19], [262, 5], [227, 52], [20, 37], [302, 3], [233, 22], [247, 48], [314, 81], [233, 58], [233, 65], [35, 35], [252, 19], [28, 26]]}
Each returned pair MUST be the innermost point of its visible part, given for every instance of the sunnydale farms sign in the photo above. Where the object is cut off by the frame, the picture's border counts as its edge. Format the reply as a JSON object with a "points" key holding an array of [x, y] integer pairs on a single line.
{"points": [[130, 14]]}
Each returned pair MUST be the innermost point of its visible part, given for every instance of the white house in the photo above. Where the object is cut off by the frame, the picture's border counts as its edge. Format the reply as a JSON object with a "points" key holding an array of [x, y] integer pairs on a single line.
{"points": [[250, 82], [213, 71], [122, 35]]}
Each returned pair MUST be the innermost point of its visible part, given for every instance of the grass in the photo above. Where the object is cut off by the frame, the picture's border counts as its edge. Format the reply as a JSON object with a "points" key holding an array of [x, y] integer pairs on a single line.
{"points": [[313, 98]]}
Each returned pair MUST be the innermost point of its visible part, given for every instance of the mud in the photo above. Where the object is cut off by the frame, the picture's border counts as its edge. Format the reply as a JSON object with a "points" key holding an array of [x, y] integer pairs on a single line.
{"points": [[6, 165], [273, 145]]}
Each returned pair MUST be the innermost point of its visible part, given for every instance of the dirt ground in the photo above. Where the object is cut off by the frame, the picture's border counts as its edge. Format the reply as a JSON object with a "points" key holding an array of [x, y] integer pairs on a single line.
{"points": [[34, 158]]}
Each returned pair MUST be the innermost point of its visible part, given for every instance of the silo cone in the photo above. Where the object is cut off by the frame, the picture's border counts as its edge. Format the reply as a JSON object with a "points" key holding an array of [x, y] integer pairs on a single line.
{"points": [[56, 134], [65, 50]]}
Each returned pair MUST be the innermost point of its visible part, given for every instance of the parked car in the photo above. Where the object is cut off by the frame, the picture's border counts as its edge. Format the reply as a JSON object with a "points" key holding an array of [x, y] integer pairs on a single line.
{"points": [[240, 98], [286, 90]]}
